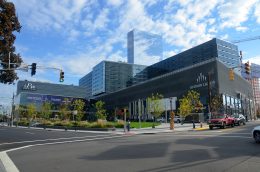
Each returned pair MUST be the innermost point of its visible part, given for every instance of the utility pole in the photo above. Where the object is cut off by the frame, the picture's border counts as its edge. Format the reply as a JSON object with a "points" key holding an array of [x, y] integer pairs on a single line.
{"points": [[12, 113], [209, 93]]}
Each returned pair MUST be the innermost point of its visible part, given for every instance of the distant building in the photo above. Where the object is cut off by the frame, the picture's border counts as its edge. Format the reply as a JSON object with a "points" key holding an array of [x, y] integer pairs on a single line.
{"points": [[253, 78], [108, 77], [143, 48], [30, 92]]}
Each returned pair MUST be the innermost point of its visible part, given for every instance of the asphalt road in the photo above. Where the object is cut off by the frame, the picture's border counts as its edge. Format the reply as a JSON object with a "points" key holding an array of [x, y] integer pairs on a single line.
{"points": [[230, 149], [18, 137]]}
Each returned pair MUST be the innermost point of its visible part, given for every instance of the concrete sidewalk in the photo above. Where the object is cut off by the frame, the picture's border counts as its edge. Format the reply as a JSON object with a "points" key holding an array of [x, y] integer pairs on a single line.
{"points": [[165, 128]]}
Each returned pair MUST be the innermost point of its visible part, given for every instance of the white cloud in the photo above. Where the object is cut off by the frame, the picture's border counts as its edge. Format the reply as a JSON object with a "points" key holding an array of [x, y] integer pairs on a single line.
{"points": [[102, 19], [257, 12], [167, 54], [47, 15], [255, 60], [242, 29], [234, 12]]}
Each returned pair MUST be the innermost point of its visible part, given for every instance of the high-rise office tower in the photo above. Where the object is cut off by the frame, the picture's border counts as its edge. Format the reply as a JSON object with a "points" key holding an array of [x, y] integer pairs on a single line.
{"points": [[144, 48], [109, 76]]}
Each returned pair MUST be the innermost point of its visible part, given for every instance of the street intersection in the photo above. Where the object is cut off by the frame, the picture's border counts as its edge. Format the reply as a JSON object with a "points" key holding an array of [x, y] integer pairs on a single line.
{"points": [[231, 149]]}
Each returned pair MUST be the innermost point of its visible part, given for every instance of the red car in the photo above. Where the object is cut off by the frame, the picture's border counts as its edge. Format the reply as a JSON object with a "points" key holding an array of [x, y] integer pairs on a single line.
{"points": [[221, 120]]}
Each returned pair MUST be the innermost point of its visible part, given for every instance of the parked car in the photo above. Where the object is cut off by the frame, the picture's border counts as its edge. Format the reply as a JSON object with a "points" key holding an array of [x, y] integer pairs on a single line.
{"points": [[160, 119], [177, 119], [221, 120], [239, 119], [256, 134]]}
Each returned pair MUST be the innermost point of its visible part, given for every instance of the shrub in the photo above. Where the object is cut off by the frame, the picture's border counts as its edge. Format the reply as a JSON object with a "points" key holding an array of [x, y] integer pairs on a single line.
{"points": [[63, 123], [82, 124], [119, 124], [23, 123], [47, 123]]}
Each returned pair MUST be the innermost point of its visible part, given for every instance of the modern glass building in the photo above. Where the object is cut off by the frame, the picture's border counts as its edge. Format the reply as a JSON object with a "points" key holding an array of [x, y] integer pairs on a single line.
{"points": [[143, 48], [108, 77], [209, 78], [86, 82], [224, 51]]}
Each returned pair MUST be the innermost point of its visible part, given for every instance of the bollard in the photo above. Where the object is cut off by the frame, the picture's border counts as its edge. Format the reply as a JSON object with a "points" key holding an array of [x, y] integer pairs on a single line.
{"points": [[200, 124], [193, 124]]}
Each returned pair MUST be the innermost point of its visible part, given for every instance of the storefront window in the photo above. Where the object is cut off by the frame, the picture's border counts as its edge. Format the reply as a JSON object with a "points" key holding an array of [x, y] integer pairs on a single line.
{"points": [[224, 99]]}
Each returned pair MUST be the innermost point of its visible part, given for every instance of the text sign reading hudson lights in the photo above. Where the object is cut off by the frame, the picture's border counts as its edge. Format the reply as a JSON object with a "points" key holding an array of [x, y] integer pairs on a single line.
{"points": [[202, 81]]}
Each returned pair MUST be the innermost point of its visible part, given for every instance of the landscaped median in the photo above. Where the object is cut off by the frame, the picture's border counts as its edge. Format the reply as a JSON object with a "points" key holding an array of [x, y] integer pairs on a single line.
{"points": [[100, 125]]}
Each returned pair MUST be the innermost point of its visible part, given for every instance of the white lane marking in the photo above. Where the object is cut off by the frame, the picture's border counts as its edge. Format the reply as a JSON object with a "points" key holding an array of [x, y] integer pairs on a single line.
{"points": [[70, 141], [10, 166], [29, 132], [213, 153], [8, 163], [63, 138]]}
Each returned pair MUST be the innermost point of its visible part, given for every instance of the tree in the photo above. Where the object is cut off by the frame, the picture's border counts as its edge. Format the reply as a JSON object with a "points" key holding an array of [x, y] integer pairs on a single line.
{"points": [[79, 105], [31, 110], [216, 103], [64, 109], [190, 103], [258, 112], [101, 111], [8, 24], [155, 105], [46, 110]]}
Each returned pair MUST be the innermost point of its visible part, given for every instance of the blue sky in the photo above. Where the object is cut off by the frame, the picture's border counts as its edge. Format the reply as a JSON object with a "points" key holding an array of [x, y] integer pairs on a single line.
{"points": [[75, 35]]}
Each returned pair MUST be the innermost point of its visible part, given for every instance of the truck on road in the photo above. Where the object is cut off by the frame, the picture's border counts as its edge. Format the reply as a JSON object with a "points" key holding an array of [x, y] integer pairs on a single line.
{"points": [[221, 121]]}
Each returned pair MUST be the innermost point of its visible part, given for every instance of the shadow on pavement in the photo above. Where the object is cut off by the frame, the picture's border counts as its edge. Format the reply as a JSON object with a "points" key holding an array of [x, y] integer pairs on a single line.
{"points": [[126, 152], [216, 150]]}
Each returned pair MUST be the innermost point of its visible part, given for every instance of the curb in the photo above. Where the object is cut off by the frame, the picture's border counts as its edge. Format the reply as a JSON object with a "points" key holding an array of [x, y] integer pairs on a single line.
{"points": [[201, 129]]}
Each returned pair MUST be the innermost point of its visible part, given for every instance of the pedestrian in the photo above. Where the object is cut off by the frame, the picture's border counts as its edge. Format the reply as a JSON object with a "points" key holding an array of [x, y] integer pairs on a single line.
{"points": [[128, 126]]}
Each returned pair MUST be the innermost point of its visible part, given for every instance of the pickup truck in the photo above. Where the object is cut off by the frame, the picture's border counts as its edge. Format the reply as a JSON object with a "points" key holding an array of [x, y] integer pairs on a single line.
{"points": [[221, 120]]}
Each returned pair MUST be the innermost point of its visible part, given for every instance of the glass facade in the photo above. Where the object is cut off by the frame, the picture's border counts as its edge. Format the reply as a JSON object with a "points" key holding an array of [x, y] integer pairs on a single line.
{"points": [[226, 52], [143, 48], [86, 82], [238, 105], [98, 79], [108, 77]]}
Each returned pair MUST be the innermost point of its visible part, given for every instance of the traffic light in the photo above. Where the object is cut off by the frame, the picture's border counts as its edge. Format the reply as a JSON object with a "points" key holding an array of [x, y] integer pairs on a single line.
{"points": [[61, 76], [33, 71], [247, 68], [231, 75]]}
